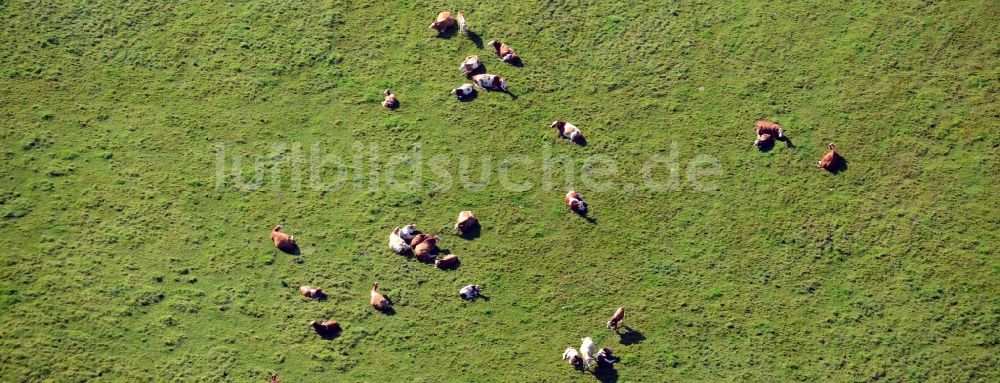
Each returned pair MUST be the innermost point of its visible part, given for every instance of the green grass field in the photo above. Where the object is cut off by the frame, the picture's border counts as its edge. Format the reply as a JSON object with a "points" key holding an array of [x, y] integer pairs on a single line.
{"points": [[127, 257]]}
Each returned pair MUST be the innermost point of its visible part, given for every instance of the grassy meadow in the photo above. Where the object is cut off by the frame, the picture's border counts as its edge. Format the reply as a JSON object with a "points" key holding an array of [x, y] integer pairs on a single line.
{"points": [[135, 245]]}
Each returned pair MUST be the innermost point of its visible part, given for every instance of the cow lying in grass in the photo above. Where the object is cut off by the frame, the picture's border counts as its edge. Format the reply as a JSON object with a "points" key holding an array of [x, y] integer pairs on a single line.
{"points": [[575, 202], [504, 52]]}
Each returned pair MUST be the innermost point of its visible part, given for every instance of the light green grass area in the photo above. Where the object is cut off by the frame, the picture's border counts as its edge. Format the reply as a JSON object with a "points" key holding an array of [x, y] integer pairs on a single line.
{"points": [[124, 260]]}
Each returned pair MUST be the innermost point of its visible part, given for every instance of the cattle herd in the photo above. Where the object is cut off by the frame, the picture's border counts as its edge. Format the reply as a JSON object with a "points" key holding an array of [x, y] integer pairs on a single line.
{"points": [[408, 241]]}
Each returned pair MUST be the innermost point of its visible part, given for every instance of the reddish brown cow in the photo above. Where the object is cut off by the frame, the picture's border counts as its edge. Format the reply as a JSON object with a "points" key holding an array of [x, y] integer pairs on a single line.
{"points": [[424, 250], [830, 161], [327, 328], [282, 241], [449, 261], [770, 127], [378, 301]]}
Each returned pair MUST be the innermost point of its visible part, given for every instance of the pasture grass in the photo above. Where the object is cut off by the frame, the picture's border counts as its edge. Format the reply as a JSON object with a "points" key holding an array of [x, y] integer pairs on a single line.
{"points": [[123, 260]]}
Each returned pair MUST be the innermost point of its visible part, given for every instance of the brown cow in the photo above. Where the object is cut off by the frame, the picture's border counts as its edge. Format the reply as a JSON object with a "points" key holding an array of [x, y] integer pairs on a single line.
{"points": [[616, 320], [770, 127], [327, 328], [466, 221], [390, 100], [282, 241], [831, 161], [378, 301], [311, 292], [449, 261], [443, 22], [273, 378], [504, 52], [575, 202], [424, 249]]}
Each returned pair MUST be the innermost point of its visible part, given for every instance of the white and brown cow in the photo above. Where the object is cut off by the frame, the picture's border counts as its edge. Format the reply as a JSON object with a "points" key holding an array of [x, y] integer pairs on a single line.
{"points": [[616, 319], [462, 25], [397, 243], [464, 92], [504, 52], [470, 64], [575, 202], [490, 82], [390, 100], [443, 22], [311, 292], [567, 130]]}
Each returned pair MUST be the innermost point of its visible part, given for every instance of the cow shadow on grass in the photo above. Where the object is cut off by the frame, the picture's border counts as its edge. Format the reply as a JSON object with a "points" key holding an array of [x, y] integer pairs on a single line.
{"points": [[630, 337], [330, 335], [292, 249], [472, 233], [447, 33], [475, 38], [585, 215], [606, 374]]}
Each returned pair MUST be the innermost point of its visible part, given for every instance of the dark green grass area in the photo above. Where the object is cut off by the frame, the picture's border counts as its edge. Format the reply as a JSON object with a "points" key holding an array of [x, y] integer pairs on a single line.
{"points": [[125, 257]]}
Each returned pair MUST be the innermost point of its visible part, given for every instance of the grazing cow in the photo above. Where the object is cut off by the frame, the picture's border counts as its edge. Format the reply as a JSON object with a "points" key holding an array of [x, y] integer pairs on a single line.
{"points": [[573, 357], [575, 202], [616, 320], [443, 22], [424, 248], [470, 292], [311, 292], [567, 130], [378, 301], [587, 351], [764, 140], [462, 26], [604, 358], [390, 100], [397, 243], [504, 52], [327, 328], [408, 232], [770, 127], [463, 92], [281, 240], [466, 221], [470, 64], [449, 261], [490, 82], [830, 161]]}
